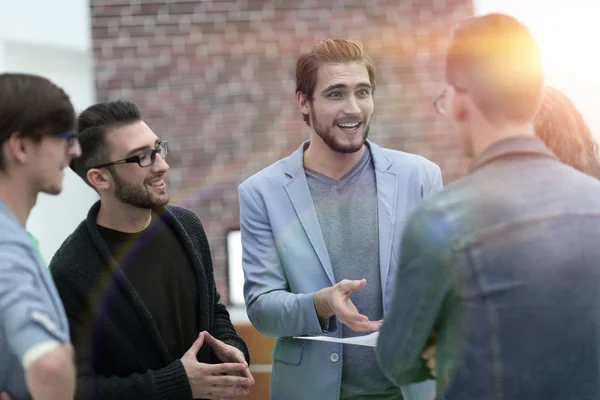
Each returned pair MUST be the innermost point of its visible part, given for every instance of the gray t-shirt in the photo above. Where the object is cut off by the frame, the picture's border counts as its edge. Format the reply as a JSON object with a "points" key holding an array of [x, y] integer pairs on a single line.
{"points": [[347, 213]]}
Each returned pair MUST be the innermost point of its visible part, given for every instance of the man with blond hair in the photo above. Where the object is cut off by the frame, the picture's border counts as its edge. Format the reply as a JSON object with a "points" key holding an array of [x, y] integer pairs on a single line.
{"points": [[320, 234]]}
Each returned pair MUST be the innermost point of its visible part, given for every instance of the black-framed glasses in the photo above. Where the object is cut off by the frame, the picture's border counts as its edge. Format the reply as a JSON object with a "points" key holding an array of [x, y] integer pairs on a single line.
{"points": [[439, 103], [145, 159], [69, 136]]}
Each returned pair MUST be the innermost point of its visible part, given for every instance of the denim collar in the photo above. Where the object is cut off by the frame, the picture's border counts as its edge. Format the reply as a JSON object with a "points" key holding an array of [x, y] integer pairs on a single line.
{"points": [[531, 145]]}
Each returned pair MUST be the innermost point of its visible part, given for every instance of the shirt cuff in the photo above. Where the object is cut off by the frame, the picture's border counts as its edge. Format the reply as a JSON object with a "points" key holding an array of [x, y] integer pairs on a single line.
{"points": [[38, 351]]}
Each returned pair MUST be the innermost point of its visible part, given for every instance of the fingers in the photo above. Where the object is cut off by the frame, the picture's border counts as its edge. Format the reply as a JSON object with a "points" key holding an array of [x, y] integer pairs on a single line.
{"points": [[5, 396], [231, 353], [378, 323], [346, 311], [210, 339], [238, 356], [347, 285], [247, 374], [368, 326], [225, 392], [196, 346], [431, 365], [226, 368], [429, 356], [229, 382], [429, 352]]}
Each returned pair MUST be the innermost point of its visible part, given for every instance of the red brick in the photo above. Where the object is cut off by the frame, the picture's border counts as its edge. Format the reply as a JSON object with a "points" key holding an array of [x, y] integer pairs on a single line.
{"points": [[217, 78]]}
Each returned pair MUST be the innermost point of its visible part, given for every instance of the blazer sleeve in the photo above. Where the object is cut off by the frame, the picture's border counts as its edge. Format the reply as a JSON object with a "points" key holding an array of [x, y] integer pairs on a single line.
{"points": [[272, 308], [435, 180]]}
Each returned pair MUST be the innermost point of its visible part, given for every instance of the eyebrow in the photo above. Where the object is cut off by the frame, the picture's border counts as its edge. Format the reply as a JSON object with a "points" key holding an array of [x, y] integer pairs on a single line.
{"points": [[362, 85], [138, 149]]}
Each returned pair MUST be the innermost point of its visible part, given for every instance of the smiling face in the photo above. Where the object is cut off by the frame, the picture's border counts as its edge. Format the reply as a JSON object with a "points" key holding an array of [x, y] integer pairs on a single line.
{"points": [[342, 106], [141, 187]]}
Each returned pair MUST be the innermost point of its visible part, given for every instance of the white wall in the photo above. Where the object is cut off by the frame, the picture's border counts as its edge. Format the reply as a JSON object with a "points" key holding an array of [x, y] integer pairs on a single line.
{"points": [[567, 32], [52, 39]]}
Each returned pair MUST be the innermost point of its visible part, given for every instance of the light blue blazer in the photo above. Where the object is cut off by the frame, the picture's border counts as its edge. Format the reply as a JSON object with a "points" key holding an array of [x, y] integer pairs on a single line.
{"points": [[285, 262]]}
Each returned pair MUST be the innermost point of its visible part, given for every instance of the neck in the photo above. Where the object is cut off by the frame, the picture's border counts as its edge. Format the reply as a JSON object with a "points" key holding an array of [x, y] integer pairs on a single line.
{"points": [[17, 197], [121, 217], [320, 158], [486, 135]]}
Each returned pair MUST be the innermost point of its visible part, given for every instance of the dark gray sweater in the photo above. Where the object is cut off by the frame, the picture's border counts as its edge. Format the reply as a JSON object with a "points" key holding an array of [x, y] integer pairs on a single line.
{"points": [[119, 351]]}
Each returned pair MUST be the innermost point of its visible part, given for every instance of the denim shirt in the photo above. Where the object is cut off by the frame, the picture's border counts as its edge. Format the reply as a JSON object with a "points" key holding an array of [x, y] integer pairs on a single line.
{"points": [[502, 271], [31, 311]]}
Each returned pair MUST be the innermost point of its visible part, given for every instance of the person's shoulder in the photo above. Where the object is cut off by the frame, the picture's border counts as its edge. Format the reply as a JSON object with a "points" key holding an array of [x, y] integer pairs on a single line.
{"points": [[74, 249], [10, 230], [15, 244], [184, 216], [272, 174], [402, 159], [431, 222]]}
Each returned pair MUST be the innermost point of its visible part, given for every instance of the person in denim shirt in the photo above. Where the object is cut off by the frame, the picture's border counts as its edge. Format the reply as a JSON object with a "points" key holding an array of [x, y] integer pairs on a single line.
{"points": [[501, 270], [36, 144], [564, 131]]}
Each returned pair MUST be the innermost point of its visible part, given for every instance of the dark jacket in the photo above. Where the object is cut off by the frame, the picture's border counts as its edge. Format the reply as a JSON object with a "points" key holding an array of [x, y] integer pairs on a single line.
{"points": [[504, 268], [119, 351]]}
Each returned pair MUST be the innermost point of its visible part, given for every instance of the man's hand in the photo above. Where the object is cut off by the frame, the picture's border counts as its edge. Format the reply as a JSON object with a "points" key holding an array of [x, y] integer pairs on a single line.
{"points": [[227, 353], [5, 396], [336, 301], [429, 356], [214, 382]]}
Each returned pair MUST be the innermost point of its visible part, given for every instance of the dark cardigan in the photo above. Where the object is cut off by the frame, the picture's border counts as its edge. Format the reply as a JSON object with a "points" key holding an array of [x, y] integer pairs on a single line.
{"points": [[119, 351]]}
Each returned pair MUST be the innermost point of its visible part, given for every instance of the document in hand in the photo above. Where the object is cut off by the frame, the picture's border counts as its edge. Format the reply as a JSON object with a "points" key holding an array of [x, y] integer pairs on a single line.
{"points": [[365, 340]]}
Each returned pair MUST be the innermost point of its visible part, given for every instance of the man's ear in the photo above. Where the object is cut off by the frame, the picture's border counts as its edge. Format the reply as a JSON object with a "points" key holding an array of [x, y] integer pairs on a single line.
{"points": [[460, 110], [98, 178], [303, 103], [18, 148]]}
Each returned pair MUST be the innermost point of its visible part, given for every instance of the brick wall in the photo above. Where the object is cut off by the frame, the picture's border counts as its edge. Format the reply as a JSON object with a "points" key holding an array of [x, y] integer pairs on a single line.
{"points": [[216, 78]]}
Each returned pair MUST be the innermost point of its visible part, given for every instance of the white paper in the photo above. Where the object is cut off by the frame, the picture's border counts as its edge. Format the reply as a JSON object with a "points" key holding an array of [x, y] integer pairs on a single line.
{"points": [[365, 340]]}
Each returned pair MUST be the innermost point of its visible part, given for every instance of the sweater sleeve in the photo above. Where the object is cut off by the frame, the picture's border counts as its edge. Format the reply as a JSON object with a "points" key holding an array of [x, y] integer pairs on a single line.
{"points": [[170, 382], [223, 329], [166, 383]]}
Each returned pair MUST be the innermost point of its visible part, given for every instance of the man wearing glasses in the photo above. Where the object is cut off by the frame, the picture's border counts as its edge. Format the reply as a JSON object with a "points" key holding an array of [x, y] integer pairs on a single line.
{"points": [[36, 145], [136, 276], [501, 270]]}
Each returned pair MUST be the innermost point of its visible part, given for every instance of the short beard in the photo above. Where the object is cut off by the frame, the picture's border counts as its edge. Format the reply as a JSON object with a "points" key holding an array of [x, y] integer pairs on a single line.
{"points": [[329, 139], [135, 196]]}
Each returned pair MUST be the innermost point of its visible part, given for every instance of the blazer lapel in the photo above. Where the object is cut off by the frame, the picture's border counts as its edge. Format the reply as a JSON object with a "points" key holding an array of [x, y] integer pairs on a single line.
{"points": [[299, 194], [386, 208]]}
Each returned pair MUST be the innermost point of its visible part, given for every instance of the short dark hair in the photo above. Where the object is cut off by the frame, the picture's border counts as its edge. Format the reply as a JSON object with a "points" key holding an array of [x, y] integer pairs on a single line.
{"points": [[92, 126], [335, 51], [562, 128], [32, 107], [500, 59]]}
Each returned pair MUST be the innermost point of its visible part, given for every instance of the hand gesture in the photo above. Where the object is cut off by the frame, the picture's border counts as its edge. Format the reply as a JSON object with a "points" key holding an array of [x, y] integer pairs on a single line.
{"points": [[227, 353], [345, 311], [214, 382]]}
